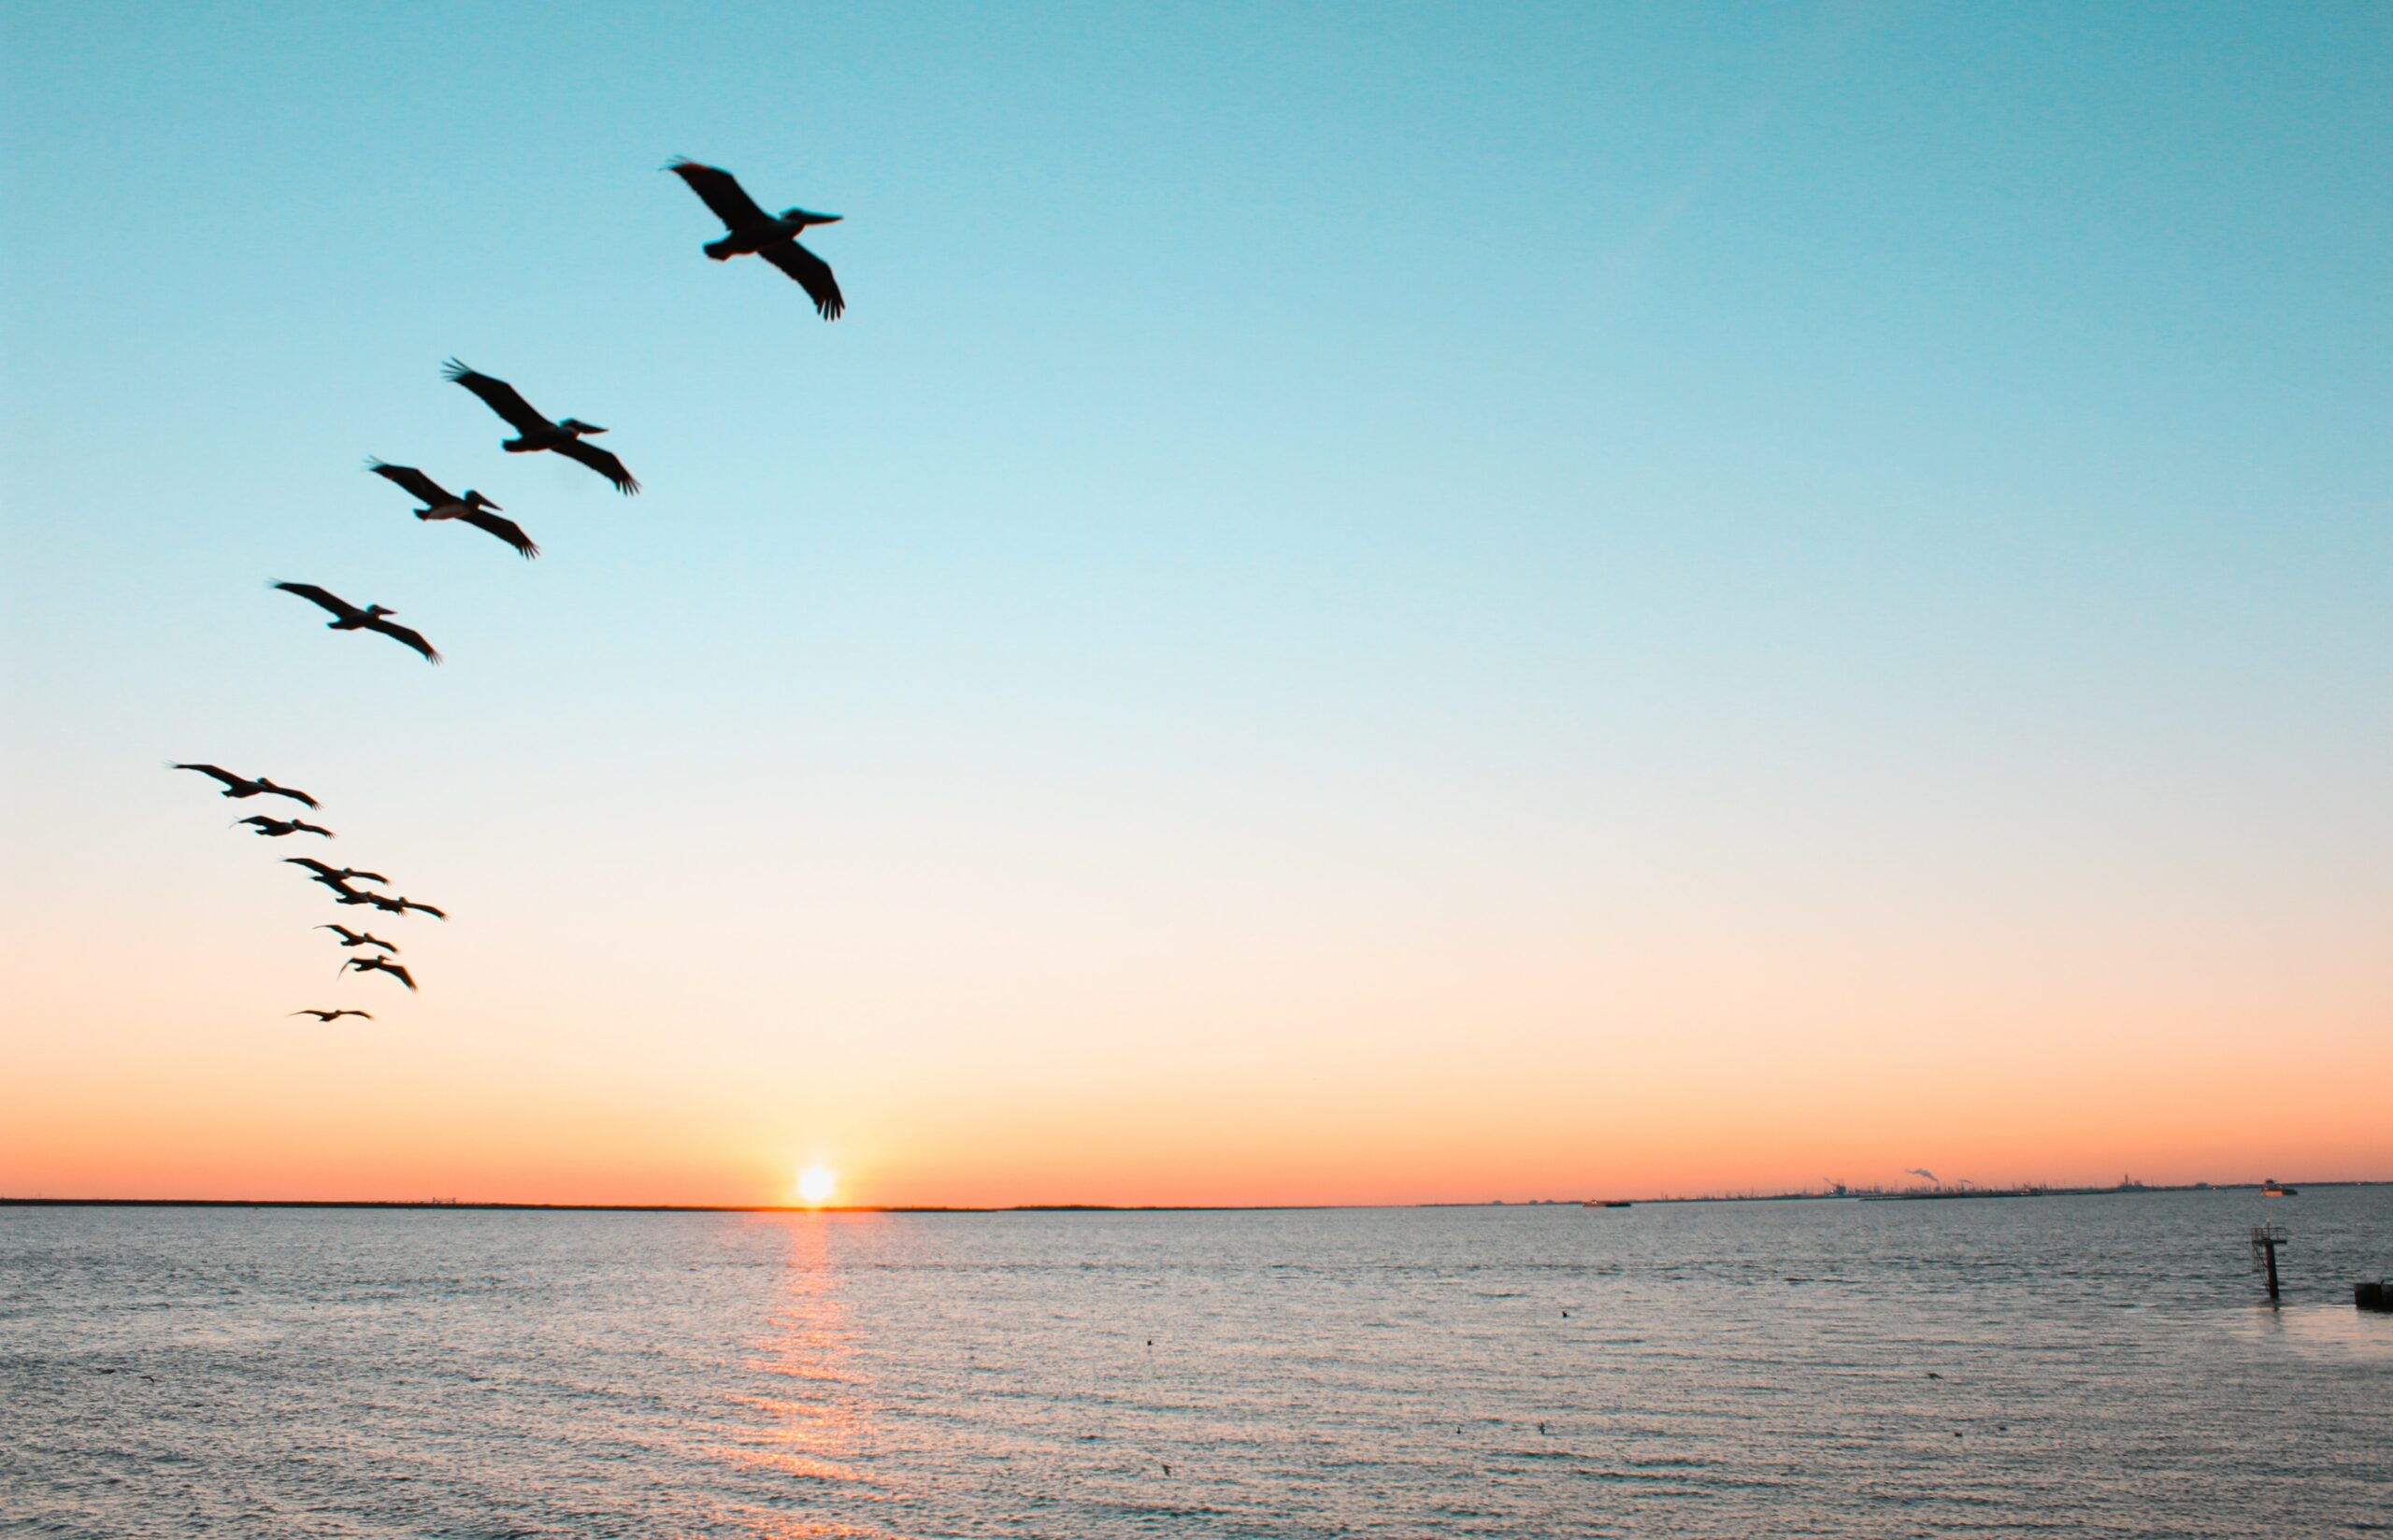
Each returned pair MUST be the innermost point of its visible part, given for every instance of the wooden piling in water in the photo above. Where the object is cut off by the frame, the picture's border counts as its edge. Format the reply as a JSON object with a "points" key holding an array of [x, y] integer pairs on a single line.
{"points": [[2265, 1238]]}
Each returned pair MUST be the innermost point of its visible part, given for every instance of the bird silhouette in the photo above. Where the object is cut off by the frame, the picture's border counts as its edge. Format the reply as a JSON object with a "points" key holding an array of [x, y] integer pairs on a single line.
{"points": [[535, 431], [242, 786], [334, 1015], [342, 875], [391, 903], [273, 828], [358, 939], [439, 504], [378, 963], [348, 617], [755, 233]]}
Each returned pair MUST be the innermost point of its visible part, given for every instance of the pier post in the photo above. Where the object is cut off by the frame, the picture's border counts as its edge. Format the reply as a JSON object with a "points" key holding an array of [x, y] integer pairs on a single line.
{"points": [[2265, 1238]]}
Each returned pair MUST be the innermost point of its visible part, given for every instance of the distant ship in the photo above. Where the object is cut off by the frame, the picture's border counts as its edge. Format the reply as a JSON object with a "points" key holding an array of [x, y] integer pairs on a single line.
{"points": [[2269, 1189], [1605, 1202]]}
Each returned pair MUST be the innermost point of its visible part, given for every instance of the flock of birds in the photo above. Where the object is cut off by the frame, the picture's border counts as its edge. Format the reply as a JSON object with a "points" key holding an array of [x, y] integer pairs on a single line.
{"points": [[750, 232]]}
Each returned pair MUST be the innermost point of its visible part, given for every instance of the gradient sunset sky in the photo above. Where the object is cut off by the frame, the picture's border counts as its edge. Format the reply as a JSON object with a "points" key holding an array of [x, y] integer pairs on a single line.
{"points": [[1369, 603]]}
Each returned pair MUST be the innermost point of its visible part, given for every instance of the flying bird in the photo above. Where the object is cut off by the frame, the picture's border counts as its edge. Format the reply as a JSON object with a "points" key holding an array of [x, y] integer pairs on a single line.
{"points": [[440, 504], [535, 431], [755, 233], [358, 939], [333, 874], [241, 786], [348, 617], [274, 828], [381, 964], [391, 903], [334, 1016]]}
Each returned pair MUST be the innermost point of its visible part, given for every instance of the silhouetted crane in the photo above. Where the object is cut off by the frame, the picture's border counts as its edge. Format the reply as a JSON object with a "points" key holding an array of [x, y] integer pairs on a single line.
{"points": [[440, 504], [378, 963], [241, 786], [348, 617], [753, 232], [273, 828], [535, 431], [358, 939], [334, 1016]]}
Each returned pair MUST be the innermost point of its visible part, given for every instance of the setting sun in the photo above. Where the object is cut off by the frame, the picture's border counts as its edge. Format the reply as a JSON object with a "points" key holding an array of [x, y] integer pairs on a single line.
{"points": [[815, 1185]]}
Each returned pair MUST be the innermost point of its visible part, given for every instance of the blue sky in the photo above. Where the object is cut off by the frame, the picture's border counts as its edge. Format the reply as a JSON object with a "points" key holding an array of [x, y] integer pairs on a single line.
{"points": [[1508, 467]]}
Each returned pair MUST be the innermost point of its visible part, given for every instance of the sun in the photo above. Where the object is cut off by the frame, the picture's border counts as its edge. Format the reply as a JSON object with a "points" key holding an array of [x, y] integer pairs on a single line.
{"points": [[815, 1185]]}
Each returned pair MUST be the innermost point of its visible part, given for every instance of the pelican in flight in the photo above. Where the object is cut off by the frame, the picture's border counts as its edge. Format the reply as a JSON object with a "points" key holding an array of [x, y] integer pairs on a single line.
{"points": [[441, 503], [381, 964], [334, 1016], [342, 874], [348, 617], [393, 903], [274, 828], [241, 786], [358, 939], [535, 431], [755, 233]]}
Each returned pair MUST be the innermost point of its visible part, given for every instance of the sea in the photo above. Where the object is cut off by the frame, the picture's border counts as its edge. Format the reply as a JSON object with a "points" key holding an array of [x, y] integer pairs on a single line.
{"points": [[2061, 1365]]}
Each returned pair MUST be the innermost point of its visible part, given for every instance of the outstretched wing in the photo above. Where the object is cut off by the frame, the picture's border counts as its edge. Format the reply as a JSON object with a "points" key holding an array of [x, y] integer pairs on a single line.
{"points": [[413, 481], [412, 904], [364, 1015], [603, 461], [396, 970], [373, 940], [324, 599], [812, 274], [405, 635], [720, 192], [299, 828], [505, 528], [300, 797], [498, 395], [311, 863], [353, 874], [348, 937], [219, 772]]}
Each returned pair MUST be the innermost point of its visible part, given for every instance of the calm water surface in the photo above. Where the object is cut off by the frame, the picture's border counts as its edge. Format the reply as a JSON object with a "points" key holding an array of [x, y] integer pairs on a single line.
{"points": [[2060, 1366]]}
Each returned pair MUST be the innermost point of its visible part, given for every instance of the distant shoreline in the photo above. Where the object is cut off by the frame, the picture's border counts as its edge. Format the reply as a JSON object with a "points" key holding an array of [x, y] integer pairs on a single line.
{"points": [[1925, 1195]]}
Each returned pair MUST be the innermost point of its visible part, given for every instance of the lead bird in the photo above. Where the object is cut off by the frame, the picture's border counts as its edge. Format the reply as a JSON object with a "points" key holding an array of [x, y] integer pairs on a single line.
{"points": [[242, 786], [755, 233], [275, 828], [358, 939], [348, 617], [535, 431], [440, 504], [381, 964], [334, 1016]]}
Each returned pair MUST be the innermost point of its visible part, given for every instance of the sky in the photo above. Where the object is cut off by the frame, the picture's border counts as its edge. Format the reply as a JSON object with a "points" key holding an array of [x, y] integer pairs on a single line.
{"points": [[1367, 605]]}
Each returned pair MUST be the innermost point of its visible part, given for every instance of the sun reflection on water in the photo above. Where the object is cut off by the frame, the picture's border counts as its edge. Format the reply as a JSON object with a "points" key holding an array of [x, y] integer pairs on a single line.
{"points": [[808, 1421]]}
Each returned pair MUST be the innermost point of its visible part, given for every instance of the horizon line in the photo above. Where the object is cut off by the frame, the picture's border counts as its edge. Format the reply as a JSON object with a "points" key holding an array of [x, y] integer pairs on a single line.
{"points": [[506, 1206]]}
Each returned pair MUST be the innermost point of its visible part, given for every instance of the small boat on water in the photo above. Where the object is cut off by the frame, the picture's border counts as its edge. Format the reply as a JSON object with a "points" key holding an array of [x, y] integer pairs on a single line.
{"points": [[1604, 1203], [2270, 1187]]}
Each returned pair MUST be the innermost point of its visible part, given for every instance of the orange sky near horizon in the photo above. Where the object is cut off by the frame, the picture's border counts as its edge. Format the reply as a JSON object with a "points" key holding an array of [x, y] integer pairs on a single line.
{"points": [[1396, 1073]]}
